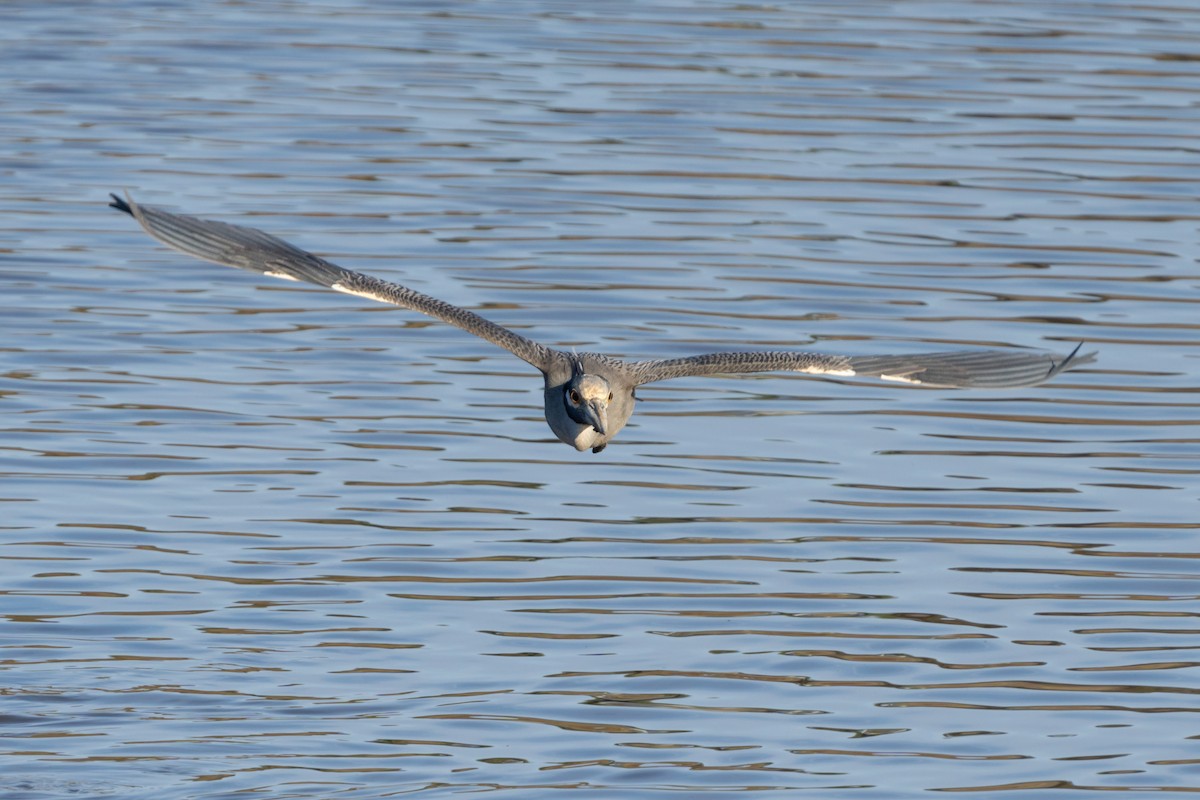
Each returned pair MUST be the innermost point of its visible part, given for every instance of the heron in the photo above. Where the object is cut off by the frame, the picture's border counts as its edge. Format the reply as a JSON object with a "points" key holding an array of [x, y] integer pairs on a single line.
{"points": [[588, 397]]}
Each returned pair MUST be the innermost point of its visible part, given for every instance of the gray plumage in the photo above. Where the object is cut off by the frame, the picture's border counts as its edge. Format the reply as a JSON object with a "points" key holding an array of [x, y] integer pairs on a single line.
{"points": [[588, 396]]}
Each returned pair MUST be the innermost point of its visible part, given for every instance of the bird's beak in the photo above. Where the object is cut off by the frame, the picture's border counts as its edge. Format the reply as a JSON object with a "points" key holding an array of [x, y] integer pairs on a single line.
{"points": [[597, 414]]}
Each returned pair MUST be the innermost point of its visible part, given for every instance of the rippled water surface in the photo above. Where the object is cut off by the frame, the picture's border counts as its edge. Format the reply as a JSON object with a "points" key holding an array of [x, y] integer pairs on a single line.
{"points": [[260, 539]]}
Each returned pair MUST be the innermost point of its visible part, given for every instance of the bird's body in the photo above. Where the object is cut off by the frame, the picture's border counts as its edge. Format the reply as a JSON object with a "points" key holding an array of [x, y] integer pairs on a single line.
{"points": [[589, 397]]}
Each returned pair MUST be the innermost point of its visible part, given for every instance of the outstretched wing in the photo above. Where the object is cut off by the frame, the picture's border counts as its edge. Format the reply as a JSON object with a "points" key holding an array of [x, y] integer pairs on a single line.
{"points": [[251, 249], [956, 368]]}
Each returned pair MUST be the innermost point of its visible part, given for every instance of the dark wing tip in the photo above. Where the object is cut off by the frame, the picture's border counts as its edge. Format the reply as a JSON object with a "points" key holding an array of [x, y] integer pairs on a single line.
{"points": [[1072, 360], [120, 205]]}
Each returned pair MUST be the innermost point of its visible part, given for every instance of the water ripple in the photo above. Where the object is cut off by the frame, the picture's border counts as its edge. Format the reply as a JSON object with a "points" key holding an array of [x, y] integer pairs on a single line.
{"points": [[266, 538]]}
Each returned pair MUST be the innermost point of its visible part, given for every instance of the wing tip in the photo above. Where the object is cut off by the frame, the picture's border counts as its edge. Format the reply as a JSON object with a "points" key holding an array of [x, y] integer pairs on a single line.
{"points": [[1073, 359], [120, 204]]}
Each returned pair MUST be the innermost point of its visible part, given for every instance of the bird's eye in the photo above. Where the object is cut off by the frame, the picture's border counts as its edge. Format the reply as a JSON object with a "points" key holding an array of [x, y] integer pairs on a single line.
{"points": [[610, 397], [575, 397]]}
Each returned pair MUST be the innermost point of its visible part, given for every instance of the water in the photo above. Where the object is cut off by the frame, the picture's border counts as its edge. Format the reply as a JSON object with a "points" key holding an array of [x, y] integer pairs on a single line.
{"points": [[261, 539]]}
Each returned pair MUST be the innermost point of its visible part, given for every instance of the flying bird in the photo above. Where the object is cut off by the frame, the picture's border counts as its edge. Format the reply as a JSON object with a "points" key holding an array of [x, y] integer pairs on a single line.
{"points": [[588, 397]]}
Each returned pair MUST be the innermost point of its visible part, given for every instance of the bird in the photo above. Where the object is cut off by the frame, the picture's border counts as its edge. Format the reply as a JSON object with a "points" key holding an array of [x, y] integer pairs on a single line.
{"points": [[588, 397]]}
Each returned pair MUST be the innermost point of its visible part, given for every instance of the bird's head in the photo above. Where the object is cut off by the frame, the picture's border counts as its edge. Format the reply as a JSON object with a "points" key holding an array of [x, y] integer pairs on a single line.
{"points": [[586, 398]]}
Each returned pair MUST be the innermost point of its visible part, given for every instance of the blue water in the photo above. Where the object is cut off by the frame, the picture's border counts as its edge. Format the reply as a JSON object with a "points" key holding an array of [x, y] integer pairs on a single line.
{"points": [[260, 539]]}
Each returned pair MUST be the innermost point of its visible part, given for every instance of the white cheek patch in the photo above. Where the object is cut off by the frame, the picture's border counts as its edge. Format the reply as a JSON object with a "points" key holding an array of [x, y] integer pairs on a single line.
{"points": [[337, 287], [283, 275], [899, 379]]}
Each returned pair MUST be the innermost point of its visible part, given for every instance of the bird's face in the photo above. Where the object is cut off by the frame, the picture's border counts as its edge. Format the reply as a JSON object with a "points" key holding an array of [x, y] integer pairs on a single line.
{"points": [[586, 399], [588, 407]]}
